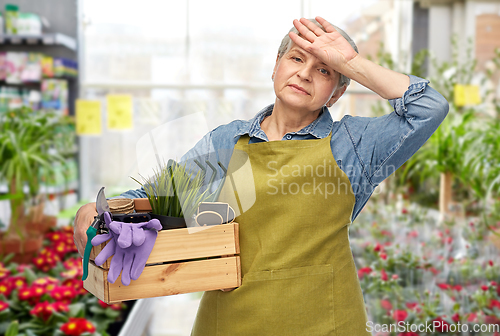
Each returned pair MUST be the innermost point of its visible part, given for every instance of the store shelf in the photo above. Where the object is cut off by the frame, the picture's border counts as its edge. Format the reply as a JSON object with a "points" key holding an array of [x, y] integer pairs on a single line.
{"points": [[45, 189], [44, 39]]}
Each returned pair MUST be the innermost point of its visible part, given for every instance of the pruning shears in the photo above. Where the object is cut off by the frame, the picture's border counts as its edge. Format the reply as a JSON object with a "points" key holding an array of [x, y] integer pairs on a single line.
{"points": [[98, 223], [99, 226]]}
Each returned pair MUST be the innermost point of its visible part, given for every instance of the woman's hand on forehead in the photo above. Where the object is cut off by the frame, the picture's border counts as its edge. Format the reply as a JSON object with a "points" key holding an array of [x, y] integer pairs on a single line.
{"points": [[330, 47]]}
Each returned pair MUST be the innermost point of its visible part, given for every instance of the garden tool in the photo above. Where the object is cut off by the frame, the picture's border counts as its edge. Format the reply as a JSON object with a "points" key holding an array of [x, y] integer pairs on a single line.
{"points": [[101, 207], [130, 245], [99, 226]]}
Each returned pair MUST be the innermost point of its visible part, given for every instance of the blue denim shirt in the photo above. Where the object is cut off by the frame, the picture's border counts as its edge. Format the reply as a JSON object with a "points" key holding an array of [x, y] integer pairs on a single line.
{"points": [[368, 150]]}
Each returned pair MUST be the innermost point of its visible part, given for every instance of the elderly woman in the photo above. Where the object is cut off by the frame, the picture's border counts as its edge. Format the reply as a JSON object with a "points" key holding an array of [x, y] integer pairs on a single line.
{"points": [[312, 177]]}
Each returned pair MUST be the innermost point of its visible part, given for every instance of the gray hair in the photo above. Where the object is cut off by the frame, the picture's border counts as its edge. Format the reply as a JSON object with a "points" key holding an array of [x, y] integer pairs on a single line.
{"points": [[286, 44]]}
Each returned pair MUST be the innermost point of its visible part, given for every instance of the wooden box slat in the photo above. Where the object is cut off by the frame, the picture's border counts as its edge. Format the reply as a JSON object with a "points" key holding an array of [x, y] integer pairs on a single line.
{"points": [[189, 243], [167, 279]]}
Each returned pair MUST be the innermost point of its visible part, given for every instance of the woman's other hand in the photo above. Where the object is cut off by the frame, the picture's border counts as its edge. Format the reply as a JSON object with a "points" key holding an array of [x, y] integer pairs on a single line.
{"points": [[84, 217], [330, 47]]}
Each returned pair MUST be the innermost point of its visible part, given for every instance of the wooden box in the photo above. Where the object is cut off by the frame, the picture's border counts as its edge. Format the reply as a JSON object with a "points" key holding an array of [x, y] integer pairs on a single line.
{"points": [[182, 261]]}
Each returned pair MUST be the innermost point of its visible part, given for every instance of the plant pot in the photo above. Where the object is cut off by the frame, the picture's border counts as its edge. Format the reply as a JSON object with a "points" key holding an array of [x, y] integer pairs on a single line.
{"points": [[43, 226], [24, 249], [168, 222]]}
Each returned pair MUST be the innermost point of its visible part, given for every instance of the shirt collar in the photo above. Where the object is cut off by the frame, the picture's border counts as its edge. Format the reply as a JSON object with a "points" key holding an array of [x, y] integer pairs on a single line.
{"points": [[319, 128]]}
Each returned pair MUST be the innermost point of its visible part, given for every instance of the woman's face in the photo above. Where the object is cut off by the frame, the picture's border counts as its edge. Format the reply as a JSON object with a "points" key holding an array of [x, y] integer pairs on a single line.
{"points": [[302, 81]]}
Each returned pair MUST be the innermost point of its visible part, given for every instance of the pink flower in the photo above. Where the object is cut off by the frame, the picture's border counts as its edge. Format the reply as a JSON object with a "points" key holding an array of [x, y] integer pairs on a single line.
{"points": [[404, 211], [383, 275], [395, 276], [472, 317], [383, 255], [386, 304]]}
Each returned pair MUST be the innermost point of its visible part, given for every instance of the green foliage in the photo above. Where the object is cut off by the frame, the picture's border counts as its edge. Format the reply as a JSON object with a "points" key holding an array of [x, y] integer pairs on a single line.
{"points": [[468, 141], [28, 142], [174, 191]]}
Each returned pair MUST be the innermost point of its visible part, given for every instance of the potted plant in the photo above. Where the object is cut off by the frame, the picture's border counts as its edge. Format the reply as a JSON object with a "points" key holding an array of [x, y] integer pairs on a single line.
{"points": [[174, 193], [26, 146]]}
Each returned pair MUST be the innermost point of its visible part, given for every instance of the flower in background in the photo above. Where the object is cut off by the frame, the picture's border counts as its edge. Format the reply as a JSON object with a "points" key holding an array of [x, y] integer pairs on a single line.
{"points": [[363, 271], [440, 325], [114, 306], [42, 310], [383, 275], [3, 305], [31, 294], [5, 288], [63, 294], [77, 326], [48, 283], [400, 315], [386, 304], [4, 272], [77, 284]]}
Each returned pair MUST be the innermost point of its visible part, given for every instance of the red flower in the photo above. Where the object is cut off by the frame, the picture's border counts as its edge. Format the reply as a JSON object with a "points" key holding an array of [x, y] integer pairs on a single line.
{"points": [[490, 262], [42, 310], [16, 281], [413, 306], [444, 286], [494, 303], [4, 272], [404, 211], [378, 248], [383, 255], [60, 306], [410, 333], [400, 315], [77, 326], [114, 306], [472, 317], [383, 275], [458, 288], [491, 319], [63, 293], [456, 317], [77, 284], [439, 324], [493, 283], [3, 305], [386, 304], [5, 288], [484, 287], [363, 271], [433, 270]]}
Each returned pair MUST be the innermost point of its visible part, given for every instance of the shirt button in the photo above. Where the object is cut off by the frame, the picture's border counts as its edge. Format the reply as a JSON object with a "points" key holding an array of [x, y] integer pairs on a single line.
{"points": [[288, 136]]}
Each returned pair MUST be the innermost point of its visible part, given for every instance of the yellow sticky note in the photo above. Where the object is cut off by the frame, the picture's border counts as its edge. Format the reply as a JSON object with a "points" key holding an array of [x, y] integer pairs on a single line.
{"points": [[119, 112], [88, 117], [467, 95]]}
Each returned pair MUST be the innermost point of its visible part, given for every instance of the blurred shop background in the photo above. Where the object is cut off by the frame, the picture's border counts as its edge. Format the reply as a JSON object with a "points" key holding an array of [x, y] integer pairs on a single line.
{"points": [[117, 71]]}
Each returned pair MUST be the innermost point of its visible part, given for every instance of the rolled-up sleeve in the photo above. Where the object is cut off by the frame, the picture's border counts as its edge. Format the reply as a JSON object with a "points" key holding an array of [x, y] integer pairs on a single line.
{"points": [[383, 144]]}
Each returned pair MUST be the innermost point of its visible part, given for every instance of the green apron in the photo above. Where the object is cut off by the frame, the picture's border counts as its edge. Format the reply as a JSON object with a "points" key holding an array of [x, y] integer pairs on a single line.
{"points": [[299, 276]]}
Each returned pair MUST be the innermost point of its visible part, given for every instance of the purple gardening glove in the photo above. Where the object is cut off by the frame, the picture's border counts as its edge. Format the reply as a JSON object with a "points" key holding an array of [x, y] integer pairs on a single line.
{"points": [[110, 247], [130, 246]]}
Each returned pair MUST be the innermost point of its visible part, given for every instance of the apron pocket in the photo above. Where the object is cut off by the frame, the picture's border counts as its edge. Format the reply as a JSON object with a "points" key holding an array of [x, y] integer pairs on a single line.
{"points": [[287, 302]]}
